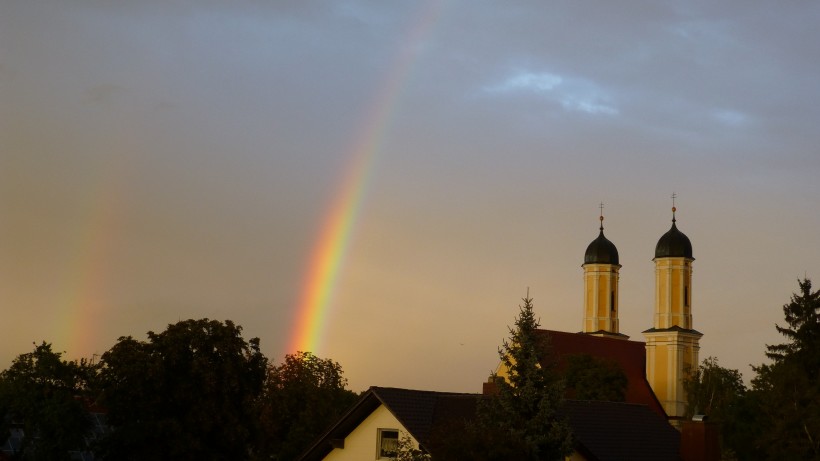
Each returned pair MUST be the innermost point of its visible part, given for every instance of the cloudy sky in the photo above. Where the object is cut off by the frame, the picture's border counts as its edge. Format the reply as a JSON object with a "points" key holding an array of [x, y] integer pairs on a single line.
{"points": [[166, 160]]}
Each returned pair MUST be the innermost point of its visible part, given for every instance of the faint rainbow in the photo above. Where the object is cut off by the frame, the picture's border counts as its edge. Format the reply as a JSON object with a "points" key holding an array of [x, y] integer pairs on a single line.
{"points": [[82, 296], [328, 254]]}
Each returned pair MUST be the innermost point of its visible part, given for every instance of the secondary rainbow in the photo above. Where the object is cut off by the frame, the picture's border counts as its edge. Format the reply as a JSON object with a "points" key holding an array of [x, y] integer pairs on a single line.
{"points": [[315, 300]]}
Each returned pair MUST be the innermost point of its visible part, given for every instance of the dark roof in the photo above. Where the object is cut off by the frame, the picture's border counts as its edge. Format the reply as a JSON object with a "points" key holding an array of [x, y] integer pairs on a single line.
{"points": [[603, 430], [675, 328], [417, 411], [615, 431], [629, 355], [673, 244], [601, 251]]}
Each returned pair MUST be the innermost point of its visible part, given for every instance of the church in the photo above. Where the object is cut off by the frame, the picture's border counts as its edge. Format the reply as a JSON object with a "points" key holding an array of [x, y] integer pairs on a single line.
{"points": [[672, 344], [650, 424]]}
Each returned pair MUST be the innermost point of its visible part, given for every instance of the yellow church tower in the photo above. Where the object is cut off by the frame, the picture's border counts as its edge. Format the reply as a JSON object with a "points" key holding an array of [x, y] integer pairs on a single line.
{"points": [[601, 287], [672, 344]]}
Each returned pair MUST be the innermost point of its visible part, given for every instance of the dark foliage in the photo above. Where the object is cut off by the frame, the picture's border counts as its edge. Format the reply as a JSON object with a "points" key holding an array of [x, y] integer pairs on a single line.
{"points": [[720, 393], [188, 393], [787, 391], [520, 422], [303, 396], [594, 378], [44, 396]]}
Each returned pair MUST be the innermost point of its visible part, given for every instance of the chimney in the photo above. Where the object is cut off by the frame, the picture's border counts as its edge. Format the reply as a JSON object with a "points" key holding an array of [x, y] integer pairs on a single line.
{"points": [[491, 387], [700, 440]]}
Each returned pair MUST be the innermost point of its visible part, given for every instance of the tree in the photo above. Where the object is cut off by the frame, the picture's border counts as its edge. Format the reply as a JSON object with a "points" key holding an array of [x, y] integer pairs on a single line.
{"points": [[187, 393], [521, 421], [407, 450], [788, 389], [594, 378], [712, 390], [44, 395], [303, 396], [802, 315], [720, 393]]}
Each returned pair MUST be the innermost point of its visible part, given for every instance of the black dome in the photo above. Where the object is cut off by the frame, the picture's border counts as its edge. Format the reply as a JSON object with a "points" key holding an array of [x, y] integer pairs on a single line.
{"points": [[674, 244], [601, 251]]}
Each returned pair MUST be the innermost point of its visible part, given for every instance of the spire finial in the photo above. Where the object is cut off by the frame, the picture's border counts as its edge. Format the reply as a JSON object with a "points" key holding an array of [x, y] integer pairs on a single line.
{"points": [[601, 206], [674, 196]]}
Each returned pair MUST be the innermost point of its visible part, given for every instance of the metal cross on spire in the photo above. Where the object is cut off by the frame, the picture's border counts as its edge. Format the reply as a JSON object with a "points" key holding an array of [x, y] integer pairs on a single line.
{"points": [[674, 196], [601, 206]]}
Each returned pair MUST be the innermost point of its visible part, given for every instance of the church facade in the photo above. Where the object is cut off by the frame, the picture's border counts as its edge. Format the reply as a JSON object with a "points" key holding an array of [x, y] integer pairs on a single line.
{"points": [[672, 345]]}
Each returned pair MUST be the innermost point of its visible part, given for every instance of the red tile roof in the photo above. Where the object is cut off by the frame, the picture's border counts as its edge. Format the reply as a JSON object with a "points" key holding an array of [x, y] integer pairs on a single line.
{"points": [[629, 355]]}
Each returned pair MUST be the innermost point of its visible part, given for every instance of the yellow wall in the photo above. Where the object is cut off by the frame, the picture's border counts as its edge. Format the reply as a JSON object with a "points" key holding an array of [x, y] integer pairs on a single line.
{"points": [[673, 293], [670, 356], [600, 281], [362, 443]]}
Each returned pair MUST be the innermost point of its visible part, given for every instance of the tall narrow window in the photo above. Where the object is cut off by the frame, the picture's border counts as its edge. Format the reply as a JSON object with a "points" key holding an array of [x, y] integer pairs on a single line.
{"points": [[686, 296], [388, 440], [612, 301]]}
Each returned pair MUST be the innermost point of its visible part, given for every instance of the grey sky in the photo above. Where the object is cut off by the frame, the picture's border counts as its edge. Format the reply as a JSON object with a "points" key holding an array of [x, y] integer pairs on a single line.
{"points": [[169, 160]]}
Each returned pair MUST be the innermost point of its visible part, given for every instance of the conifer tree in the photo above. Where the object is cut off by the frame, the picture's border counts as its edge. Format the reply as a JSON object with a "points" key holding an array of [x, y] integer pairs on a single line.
{"points": [[523, 416], [788, 390], [802, 315]]}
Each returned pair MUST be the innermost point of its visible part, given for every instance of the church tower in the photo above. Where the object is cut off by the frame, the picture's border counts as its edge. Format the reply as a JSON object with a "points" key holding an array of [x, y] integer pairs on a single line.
{"points": [[672, 344], [601, 287]]}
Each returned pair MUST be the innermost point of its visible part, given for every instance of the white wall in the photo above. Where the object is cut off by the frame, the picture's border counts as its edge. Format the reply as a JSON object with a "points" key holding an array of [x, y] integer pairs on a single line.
{"points": [[361, 444]]}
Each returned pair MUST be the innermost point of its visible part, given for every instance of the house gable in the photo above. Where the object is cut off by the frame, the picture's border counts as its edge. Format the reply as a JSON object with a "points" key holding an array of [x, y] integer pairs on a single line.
{"points": [[362, 442]]}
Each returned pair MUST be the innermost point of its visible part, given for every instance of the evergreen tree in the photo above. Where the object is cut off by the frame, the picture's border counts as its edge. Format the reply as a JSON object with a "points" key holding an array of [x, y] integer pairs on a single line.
{"points": [[788, 389], [802, 315], [521, 422]]}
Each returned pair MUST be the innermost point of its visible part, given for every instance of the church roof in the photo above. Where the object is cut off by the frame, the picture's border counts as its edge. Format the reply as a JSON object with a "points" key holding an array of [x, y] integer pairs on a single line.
{"points": [[601, 251], [629, 355], [674, 244]]}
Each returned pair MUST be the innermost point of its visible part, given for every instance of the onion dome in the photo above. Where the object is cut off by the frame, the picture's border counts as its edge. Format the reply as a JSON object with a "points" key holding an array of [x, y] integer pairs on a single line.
{"points": [[674, 243], [601, 250]]}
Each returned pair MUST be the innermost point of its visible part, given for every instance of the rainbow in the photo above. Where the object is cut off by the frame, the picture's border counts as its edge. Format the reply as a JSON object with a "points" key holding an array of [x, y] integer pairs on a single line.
{"points": [[319, 283], [81, 296]]}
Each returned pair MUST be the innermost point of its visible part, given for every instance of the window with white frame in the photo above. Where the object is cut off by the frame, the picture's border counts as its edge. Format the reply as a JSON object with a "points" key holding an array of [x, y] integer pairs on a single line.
{"points": [[388, 443]]}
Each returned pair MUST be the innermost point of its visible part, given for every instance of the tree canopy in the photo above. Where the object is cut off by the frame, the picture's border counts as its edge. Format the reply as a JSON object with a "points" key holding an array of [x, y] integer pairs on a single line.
{"points": [[44, 396], [186, 393], [303, 396], [720, 394], [594, 378]]}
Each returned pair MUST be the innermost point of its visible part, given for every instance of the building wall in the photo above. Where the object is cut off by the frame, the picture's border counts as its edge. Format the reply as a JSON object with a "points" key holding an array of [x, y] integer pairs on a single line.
{"points": [[673, 293], [362, 443], [670, 357], [601, 298]]}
